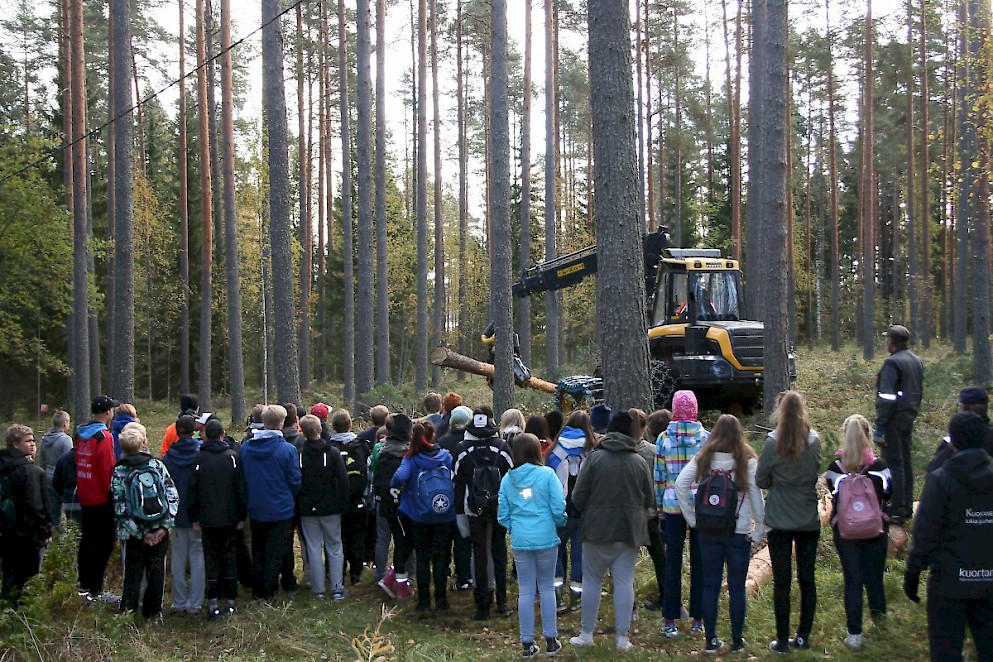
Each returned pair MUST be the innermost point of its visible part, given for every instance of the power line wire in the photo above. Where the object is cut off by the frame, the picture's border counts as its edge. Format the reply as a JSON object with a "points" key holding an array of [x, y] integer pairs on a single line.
{"points": [[142, 102]]}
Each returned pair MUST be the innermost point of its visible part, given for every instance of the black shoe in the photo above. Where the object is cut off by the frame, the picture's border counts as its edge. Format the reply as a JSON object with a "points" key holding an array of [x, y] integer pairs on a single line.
{"points": [[778, 646], [530, 650], [423, 607], [714, 645], [441, 604], [481, 615], [355, 578], [503, 610], [653, 604], [213, 614], [800, 642], [552, 646], [738, 645]]}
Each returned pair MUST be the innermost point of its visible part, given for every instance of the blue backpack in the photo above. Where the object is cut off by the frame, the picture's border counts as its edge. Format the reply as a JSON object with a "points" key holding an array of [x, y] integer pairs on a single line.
{"points": [[433, 496]]}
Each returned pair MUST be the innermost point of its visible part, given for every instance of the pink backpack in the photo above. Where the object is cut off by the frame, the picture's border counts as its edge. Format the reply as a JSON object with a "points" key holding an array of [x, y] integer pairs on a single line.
{"points": [[857, 513]]}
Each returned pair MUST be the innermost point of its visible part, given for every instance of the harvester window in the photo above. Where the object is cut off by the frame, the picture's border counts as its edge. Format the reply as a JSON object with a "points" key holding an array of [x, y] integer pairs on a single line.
{"points": [[715, 294]]}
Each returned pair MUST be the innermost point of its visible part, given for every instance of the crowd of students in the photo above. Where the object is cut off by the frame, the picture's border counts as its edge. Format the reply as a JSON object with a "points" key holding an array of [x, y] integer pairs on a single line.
{"points": [[578, 497]]}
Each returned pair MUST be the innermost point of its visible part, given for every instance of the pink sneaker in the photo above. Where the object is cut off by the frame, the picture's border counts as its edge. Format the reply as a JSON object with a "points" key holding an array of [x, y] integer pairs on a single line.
{"points": [[389, 583], [403, 589]]}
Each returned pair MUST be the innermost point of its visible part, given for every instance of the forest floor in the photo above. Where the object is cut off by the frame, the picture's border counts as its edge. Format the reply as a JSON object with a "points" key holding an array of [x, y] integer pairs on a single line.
{"points": [[53, 624]]}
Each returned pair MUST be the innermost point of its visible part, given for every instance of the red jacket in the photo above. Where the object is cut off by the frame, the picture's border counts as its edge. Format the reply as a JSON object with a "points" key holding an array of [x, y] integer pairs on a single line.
{"points": [[95, 459]]}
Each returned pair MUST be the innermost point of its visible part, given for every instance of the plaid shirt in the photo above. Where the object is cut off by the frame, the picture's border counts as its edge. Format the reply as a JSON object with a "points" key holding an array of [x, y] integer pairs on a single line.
{"points": [[673, 450]]}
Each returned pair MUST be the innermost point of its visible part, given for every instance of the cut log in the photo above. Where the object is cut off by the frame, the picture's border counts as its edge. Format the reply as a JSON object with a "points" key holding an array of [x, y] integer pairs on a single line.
{"points": [[446, 358]]}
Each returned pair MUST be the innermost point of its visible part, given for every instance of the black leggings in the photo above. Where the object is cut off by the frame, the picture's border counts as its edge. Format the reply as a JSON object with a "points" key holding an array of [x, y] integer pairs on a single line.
{"points": [[780, 553], [403, 541], [431, 544]]}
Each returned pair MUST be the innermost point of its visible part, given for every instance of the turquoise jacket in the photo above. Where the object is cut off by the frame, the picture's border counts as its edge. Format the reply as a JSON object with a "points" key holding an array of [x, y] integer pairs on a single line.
{"points": [[531, 507]]}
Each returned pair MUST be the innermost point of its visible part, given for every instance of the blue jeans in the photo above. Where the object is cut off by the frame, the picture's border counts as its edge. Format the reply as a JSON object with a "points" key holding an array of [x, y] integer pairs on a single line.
{"points": [[536, 571], [716, 551], [672, 592], [863, 563], [569, 534]]}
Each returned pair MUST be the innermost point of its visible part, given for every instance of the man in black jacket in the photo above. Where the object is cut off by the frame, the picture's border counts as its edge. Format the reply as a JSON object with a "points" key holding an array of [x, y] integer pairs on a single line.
{"points": [[483, 459], [953, 532], [22, 539], [218, 508], [898, 398]]}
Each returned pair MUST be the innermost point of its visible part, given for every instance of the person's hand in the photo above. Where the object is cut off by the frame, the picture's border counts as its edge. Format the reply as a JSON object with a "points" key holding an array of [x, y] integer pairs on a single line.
{"points": [[878, 435], [911, 582], [197, 527], [46, 542], [239, 526]]}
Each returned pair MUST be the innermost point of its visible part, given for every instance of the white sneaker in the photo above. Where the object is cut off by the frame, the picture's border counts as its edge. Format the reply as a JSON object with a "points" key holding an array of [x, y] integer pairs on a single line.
{"points": [[584, 639], [624, 645], [853, 641]]}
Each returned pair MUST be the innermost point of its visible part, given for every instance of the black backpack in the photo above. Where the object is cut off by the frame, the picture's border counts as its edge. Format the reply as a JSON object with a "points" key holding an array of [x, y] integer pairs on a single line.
{"points": [[484, 487], [8, 507], [716, 504], [357, 475], [387, 498]]}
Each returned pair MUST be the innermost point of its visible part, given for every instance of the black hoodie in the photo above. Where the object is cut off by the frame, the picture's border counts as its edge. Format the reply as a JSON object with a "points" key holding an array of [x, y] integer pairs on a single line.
{"points": [[324, 490], [216, 495], [29, 489], [953, 529]]}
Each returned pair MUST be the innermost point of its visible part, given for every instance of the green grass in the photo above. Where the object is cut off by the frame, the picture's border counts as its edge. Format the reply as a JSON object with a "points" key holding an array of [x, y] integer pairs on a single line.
{"points": [[54, 625]]}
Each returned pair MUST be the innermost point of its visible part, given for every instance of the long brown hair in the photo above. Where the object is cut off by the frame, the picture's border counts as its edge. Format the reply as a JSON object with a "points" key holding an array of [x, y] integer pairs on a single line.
{"points": [[579, 420], [792, 425], [727, 436], [421, 437]]}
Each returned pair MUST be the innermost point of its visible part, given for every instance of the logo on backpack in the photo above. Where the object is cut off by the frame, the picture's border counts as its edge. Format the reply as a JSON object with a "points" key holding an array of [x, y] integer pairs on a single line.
{"points": [[433, 496], [716, 504], [485, 491], [145, 495], [857, 512]]}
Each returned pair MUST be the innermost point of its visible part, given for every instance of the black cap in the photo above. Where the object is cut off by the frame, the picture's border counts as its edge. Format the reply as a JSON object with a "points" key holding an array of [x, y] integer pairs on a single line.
{"points": [[967, 430], [620, 422], [898, 332], [973, 395], [102, 403], [600, 417]]}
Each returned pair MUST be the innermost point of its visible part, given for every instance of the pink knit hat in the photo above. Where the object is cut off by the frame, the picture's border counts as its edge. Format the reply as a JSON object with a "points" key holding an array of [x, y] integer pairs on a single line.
{"points": [[684, 406]]}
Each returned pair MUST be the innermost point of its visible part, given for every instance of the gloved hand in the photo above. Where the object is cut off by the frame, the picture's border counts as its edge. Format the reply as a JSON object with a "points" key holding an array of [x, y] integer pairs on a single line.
{"points": [[911, 581], [462, 522]]}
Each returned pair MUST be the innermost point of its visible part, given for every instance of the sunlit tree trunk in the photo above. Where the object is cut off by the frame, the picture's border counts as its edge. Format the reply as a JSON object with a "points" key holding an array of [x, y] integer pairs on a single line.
{"points": [[80, 335], [421, 349], [382, 268], [524, 305], [348, 257], [364, 331]]}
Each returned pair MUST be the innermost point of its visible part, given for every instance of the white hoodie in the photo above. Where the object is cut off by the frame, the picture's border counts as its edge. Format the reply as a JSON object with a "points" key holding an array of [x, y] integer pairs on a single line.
{"points": [[751, 516]]}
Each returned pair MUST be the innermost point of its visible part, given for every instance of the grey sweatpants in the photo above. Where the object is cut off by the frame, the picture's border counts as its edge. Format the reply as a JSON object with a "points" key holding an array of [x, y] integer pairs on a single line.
{"points": [[322, 535], [620, 560]]}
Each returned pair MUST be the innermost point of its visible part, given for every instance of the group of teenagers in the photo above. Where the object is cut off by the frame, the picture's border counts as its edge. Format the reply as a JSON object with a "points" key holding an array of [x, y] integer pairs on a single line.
{"points": [[577, 497]]}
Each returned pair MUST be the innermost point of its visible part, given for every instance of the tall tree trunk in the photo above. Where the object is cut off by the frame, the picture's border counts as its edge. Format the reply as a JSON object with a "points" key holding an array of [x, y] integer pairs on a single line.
{"points": [[912, 272], [382, 268], [274, 106], [109, 319], [80, 336], [552, 317], [439, 237], [499, 139], [926, 316], [463, 192], [215, 159], [184, 220], [421, 350], [142, 153], [524, 305], [348, 257], [773, 208], [235, 360], [65, 97], [123, 311], [965, 207], [206, 227], [757, 168], [677, 220], [306, 222], [833, 186], [868, 195], [639, 100], [327, 328], [650, 153], [364, 319], [621, 316], [734, 119], [321, 334]]}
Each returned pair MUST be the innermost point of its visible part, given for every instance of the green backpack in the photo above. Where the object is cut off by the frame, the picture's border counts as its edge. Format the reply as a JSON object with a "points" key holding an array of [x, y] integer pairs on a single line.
{"points": [[145, 497]]}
